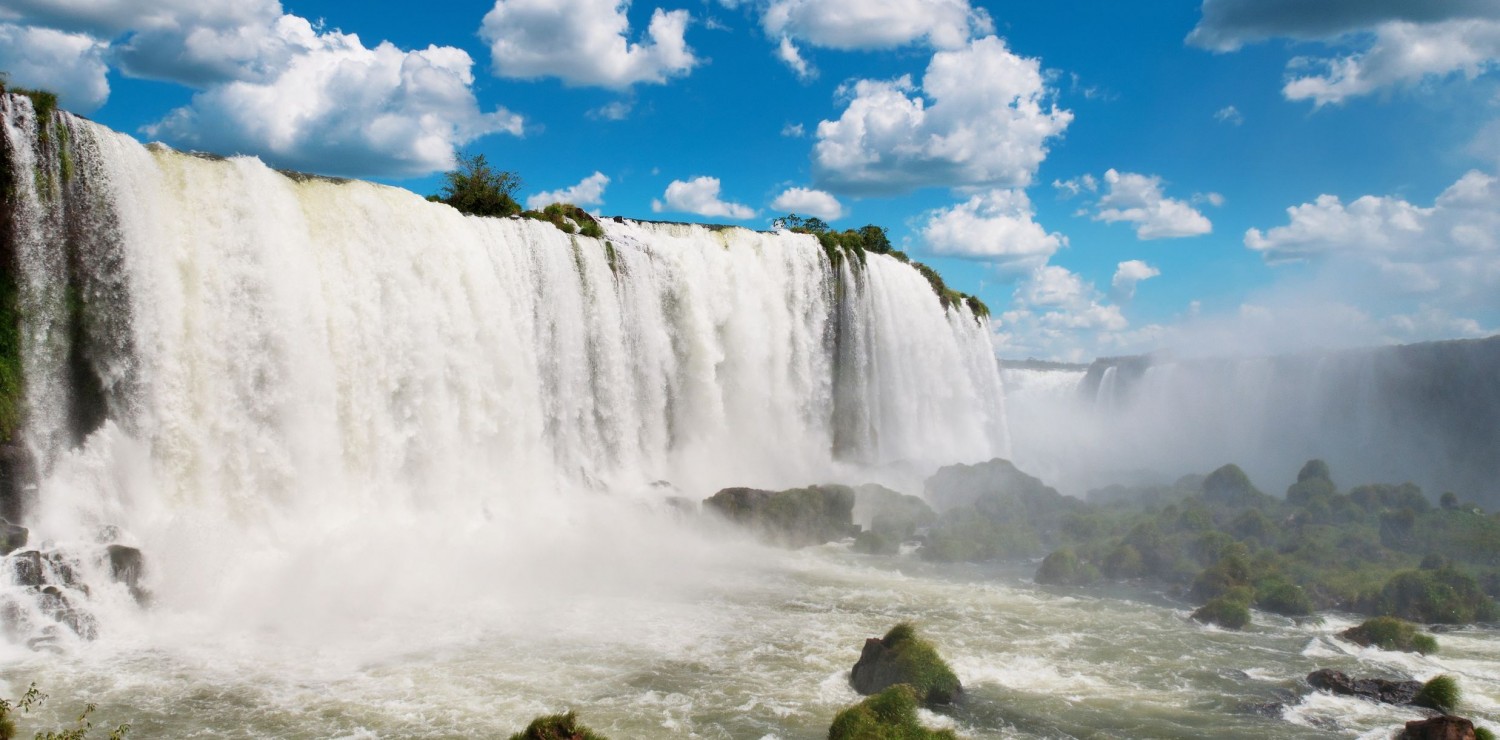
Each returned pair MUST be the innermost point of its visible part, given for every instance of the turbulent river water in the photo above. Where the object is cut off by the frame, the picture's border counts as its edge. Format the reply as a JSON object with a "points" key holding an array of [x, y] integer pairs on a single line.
{"points": [[397, 472]]}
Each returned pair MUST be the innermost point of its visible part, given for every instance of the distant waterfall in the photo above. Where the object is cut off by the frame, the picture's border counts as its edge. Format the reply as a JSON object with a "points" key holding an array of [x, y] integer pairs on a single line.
{"points": [[200, 332]]}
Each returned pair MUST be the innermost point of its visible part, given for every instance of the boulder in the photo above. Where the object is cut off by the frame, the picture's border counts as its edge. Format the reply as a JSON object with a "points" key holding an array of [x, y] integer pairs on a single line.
{"points": [[890, 714], [1390, 633], [796, 517], [12, 537], [1438, 728], [26, 569], [127, 566], [901, 657], [1374, 689]]}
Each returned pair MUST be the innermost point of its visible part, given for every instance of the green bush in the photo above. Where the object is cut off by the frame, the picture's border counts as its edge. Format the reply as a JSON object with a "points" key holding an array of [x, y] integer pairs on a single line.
{"points": [[1063, 568], [1226, 611], [1442, 596], [1441, 693], [557, 727], [478, 189], [1483, 733], [1280, 596], [34, 698], [888, 715], [1390, 633]]}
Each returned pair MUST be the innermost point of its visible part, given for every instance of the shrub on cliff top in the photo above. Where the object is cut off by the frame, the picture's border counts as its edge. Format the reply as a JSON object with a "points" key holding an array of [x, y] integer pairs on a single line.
{"points": [[478, 189]]}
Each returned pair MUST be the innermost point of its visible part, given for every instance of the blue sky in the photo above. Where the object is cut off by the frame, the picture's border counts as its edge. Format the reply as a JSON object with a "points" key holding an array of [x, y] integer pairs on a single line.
{"points": [[1109, 177]]}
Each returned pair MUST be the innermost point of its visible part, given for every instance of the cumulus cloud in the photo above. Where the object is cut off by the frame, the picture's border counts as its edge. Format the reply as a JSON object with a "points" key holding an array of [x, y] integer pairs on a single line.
{"points": [[339, 107], [588, 192], [1138, 199], [585, 42], [1128, 275], [996, 226], [1448, 252], [1396, 42], [1055, 313], [700, 196], [875, 24], [70, 64], [269, 83], [809, 202], [982, 118]]}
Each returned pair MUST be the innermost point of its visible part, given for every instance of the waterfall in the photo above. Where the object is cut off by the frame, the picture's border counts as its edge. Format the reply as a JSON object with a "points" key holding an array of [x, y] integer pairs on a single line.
{"points": [[209, 338]]}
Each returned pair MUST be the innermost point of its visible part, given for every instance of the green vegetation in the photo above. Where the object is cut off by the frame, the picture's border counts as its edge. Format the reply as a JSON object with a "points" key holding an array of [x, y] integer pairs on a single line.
{"points": [[907, 659], [871, 238], [888, 715], [1483, 733], [557, 727], [12, 392], [1390, 633], [1229, 612], [569, 219], [478, 189], [34, 698], [1441, 693], [1377, 549]]}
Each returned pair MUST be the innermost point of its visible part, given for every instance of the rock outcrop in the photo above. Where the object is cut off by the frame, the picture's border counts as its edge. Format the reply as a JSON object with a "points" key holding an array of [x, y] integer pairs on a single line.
{"points": [[901, 657], [1374, 689]]}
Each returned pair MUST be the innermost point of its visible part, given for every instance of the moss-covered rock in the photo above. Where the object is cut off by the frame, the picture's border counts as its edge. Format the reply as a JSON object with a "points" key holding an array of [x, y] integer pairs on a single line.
{"points": [[1280, 596], [1225, 611], [1441, 693], [557, 727], [901, 657], [1230, 487], [797, 517], [1390, 633], [888, 715], [1063, 568]]}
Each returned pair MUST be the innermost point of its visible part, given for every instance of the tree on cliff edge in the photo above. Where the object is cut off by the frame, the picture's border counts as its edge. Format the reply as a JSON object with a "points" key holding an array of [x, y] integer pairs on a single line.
{"points": [[479, 189]]}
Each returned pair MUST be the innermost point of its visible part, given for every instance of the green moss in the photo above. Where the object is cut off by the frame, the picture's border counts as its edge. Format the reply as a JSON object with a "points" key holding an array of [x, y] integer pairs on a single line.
{"points": [[1390, 633], [1483, 733], [1441, 693], [557, 727], [917, 662], [888, 715], [1225, 611], [12, 392]]}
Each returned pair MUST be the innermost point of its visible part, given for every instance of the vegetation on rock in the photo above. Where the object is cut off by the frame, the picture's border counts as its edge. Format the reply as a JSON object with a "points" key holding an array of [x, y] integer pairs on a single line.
{"points": [[901, 657], [34, 698], [1227, 611], [1441, 693], [796, 517], [870, 238], [478, 189], [1390, 633], [1062, 568], [569, 219], [888, 715], [557, 727]]}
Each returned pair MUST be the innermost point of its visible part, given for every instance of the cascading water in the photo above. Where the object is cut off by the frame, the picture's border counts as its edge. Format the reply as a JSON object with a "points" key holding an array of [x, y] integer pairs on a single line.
{"points": [[221, 359]]}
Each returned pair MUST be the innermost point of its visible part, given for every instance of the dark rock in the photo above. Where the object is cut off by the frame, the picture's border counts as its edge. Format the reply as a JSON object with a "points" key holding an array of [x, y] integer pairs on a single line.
{"points": [[903, 657], [26, 569], [17, 477], [64, 571], [797, 517], [1438, 728], [1374, 689], [12, 537], [127, 566]]}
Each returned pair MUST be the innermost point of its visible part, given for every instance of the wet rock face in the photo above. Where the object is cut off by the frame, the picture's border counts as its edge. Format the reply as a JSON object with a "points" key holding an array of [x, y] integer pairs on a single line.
{"points": [[127, 566], [48, 594], [1439, 728], [12, 537], [1374, 689], [17, 476]]}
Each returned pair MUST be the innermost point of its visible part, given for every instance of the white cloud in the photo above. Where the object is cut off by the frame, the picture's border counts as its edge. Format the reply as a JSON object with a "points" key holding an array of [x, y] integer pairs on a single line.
{"points": [[1230, 115], [1138, 199], [791, 56], [1395, 42], [617, 110], [269, 83], [700, 196], [69, 64], [793, 131], [808, 202], [1449, 250], [588, 192], [996, 226], [876, 24], [1057, 314], [1128, 275], [1403, 53], [338, 107], [1076, 186], [585, 42], [984, 122]]}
